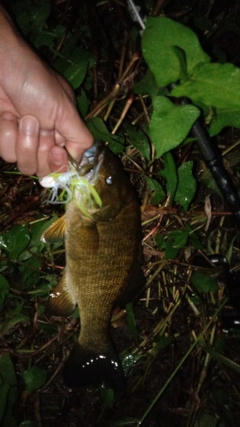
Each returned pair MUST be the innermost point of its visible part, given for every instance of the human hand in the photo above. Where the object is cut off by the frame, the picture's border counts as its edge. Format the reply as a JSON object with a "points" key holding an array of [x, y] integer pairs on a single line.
{"points": [[38, 116]]}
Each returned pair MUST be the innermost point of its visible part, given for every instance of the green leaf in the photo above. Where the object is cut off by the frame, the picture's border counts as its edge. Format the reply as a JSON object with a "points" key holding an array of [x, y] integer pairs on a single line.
{"points": [[99, 130], [39, 12], [147, 85], [15, 240], [175, 242], [203, 283], [139, 139], [170, 124], [161, 44], [170, 174], [83, 103], [223, 118], [128, 360], [162, 342], [8, 391], [31, 15], [193, 238], [186, 185], [224, 360], [131, 321], [4, 290], [160, 241], [108, 396], [157, 192], [28, 423], [76, 73], [216, 85], [126, 422], [31, 273], [34, 378], [206, 420], [37, 229], [13, 321], [179, 238]]}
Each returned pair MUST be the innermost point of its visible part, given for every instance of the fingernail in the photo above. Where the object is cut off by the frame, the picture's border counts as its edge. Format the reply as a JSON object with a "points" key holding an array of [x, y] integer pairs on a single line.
{"points": [[29, 125]]}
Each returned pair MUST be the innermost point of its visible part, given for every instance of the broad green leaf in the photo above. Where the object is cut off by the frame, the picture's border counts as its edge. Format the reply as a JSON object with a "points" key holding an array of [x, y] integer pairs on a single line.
{"points": [[203, 283], [179, 238], [147, 86], [170, 124], [216, 85], [223, 118], [126, 422], [4, 290], [37, 229], [170, 251], [75, 73], [131, 321], [128, 360], [162, 42], [31, 16], [15, 240], [193, 238], [224, 360], [162, 342], [206, 420], [99, 130], [13, 321], [28, 423], [8, 391], [83, 103], [157, 192], [170, 174], [160, 241], [39, 12], [186, 185], [34, 378], [175, 242], [108, 396], [31, 273], [139, 139]]}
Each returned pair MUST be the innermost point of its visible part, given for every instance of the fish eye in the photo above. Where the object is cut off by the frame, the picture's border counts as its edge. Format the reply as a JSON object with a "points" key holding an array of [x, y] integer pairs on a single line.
{"points": [[109, 180]]}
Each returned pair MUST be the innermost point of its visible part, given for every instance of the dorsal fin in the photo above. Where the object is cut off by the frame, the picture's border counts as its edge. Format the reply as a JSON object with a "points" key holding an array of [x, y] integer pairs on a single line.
{"points": [[55, 232]]}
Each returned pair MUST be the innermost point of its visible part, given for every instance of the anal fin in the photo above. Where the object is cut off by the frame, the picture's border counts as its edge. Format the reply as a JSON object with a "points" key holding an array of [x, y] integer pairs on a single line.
{"points": [[55, 232], [61, 301]]}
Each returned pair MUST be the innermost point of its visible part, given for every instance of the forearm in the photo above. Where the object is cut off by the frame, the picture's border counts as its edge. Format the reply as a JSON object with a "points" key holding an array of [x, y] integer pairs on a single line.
{"points": [[14, 52]]}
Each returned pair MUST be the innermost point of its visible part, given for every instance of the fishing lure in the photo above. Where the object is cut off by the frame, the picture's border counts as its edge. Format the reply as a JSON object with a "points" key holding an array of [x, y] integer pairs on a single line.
{"points": [[74, 188]]}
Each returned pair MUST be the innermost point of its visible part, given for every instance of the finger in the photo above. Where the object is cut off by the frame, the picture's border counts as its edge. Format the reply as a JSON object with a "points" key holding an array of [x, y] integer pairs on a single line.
{"points": [[8, 136], [76, 135], [77, 147], [58, 159], [46, 142], [27, 144]]}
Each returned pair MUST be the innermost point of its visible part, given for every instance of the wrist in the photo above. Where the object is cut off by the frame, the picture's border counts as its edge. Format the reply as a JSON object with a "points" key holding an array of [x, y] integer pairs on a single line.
{"points": [[12, 49]]}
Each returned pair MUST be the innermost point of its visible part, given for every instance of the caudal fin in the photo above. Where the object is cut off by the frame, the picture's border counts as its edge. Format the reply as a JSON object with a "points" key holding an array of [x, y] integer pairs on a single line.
{"points": [[85, 367]]}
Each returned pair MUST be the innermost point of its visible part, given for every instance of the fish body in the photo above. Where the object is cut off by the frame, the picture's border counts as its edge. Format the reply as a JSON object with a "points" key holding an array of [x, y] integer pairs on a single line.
{"points": [[102, 265]]}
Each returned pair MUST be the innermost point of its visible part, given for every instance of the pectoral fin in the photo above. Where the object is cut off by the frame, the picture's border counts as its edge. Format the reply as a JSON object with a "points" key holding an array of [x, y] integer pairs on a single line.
{"points": [[61, 301], [55, 232]]}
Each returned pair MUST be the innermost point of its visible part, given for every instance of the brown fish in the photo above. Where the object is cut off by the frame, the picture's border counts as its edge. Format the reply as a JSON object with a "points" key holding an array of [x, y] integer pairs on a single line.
{"points": [[102, 266]]}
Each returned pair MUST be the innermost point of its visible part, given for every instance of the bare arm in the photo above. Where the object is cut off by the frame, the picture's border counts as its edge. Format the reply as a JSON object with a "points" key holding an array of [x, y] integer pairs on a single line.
{"points": [[38, 116]]}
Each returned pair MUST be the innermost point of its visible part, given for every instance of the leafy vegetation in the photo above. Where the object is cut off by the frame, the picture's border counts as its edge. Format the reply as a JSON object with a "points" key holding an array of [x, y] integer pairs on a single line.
{"points": [[182, 365]]}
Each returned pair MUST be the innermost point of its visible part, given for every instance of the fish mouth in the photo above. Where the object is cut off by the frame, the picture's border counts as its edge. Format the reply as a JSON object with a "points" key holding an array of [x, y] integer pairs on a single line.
{"points": [[91, 161]]}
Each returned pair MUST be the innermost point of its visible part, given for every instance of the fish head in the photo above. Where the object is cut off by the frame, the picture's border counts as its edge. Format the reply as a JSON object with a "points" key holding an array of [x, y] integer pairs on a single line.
{"points": [[104, 171]]}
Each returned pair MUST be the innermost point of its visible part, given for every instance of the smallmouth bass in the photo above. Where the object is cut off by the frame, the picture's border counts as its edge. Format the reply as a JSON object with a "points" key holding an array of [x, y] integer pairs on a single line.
{"points": [[102, 265]]}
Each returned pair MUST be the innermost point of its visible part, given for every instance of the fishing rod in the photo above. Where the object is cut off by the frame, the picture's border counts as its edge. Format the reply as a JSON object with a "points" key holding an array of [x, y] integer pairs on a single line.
{"points": [[211, 156]]}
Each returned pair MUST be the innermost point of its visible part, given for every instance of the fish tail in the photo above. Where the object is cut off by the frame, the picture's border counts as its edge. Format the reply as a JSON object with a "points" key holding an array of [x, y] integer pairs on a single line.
{"points": [[86, 367]]}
